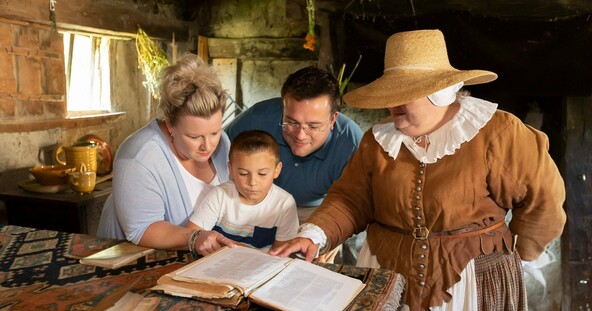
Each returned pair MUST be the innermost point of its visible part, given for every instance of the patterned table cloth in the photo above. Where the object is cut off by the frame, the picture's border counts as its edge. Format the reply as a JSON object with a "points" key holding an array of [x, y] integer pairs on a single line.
{"points": [[39, 270]]}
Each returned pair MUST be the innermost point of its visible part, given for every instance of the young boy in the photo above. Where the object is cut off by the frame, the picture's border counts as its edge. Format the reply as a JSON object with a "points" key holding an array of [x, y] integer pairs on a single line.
{"points": [[249, 208]]}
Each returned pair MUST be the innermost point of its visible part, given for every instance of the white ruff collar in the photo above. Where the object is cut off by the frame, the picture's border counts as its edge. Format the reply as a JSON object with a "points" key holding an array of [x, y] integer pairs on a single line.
{"points": [[473, 114]]}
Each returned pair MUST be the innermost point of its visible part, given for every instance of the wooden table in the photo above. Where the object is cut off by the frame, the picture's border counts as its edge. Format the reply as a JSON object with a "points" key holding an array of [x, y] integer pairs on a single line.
{"points": [[40, 270], [63, 211]]}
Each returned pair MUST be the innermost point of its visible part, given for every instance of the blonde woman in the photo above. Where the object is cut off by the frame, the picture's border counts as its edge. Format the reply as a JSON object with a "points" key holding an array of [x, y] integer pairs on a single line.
{"points": [[163, 169]]}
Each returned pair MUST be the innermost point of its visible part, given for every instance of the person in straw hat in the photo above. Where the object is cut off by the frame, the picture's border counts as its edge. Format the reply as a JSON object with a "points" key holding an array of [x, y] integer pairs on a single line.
{"points": [[433, 186]]}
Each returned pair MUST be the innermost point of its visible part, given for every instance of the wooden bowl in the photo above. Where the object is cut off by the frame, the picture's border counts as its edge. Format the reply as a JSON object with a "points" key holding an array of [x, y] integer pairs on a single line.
{"points": [[51, 175]]}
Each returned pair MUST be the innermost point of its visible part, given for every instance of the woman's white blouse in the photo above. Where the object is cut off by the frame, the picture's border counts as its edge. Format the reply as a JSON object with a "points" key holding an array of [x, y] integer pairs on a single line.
{"points": [[473, 114]]}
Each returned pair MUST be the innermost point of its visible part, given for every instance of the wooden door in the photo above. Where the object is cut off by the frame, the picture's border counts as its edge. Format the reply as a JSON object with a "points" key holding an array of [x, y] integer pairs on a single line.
{"points": [[577, 236]]}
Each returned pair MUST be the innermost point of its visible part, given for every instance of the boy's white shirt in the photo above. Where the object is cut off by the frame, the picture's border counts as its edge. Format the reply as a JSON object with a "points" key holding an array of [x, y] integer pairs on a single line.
{"points": [[222, 203]]}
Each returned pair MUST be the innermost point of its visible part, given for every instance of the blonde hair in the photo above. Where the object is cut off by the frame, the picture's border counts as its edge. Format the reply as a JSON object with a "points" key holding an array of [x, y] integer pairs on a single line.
{"points": [[190, 87]]}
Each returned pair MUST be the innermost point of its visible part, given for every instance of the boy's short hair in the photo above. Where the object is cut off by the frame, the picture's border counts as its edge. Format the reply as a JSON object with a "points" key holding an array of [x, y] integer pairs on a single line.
{"points": [[254, 141]]}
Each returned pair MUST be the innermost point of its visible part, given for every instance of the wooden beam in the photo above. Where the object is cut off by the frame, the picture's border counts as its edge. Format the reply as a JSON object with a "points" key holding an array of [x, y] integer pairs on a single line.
{"points": [[259, 48], [122, 17], [202, 48], [70, 122], [516, 9]]}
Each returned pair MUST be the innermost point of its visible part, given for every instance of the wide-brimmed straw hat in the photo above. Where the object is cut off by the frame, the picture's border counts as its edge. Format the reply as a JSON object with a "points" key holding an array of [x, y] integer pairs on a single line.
{"points": [[415, 65]]}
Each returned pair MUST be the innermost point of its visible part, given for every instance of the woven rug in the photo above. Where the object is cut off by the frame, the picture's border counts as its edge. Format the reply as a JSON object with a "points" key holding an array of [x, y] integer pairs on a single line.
{"points": [[39, 270], [383, 289]]}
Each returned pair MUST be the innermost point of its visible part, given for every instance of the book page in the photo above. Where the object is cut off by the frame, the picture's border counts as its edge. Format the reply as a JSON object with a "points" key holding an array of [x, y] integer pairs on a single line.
{"points": [[243, 267], [307, 287]]}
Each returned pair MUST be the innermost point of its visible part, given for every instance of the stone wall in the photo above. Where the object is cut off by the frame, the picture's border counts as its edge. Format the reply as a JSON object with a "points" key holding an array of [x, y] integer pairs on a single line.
{"points": [[255, 45]]}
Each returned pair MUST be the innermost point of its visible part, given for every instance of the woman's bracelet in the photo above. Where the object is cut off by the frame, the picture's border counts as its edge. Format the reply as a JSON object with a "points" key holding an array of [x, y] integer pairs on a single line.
{"points": [[191, 243]]}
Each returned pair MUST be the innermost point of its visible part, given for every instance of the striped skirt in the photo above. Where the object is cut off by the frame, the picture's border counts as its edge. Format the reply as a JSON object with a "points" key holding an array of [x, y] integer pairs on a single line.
{"points": [[500, 282], [493, 282]]}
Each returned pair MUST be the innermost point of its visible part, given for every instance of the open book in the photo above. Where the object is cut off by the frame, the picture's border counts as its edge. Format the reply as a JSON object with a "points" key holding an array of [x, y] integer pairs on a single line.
{"points": [[116, 255], [232, 275]]}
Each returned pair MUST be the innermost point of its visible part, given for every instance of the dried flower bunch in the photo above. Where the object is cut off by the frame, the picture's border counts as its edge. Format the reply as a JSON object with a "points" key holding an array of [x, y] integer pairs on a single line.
{"points": [[310, 36], [151, 59]]}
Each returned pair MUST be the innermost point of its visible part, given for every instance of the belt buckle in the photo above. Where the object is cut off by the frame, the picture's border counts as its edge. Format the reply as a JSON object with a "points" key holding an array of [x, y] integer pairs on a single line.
{"points": [[421, 233]]}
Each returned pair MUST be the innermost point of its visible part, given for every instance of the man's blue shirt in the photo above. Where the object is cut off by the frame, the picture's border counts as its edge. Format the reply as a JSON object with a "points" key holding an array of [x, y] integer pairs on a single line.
{"points": [[307, 178]]}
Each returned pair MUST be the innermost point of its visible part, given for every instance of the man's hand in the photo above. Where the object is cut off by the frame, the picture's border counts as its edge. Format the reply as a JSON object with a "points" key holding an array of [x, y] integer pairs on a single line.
{"points": [[208, 242], [297, 245]]}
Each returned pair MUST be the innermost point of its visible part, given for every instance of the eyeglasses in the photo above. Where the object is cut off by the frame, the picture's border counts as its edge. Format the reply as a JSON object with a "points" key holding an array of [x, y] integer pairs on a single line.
{"points": [[308, 129]]}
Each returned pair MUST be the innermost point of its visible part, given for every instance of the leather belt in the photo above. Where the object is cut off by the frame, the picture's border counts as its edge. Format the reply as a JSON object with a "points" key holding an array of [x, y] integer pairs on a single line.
{"points": [[422, 233]]}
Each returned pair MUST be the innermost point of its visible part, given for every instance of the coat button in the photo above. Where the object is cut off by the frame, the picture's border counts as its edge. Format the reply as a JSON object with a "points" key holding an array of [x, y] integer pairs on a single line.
{"points": [[421, 266], [421, 275], [421, 283], [424, 246]]}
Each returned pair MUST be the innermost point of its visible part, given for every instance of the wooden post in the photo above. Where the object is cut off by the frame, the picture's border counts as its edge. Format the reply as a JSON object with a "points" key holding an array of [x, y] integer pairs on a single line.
{"points": [[202, 48], [174, 50], [576, 243]]}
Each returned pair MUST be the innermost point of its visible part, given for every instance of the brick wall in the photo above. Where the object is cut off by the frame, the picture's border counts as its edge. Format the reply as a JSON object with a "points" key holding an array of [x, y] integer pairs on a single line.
{"points": [[32, 75]]}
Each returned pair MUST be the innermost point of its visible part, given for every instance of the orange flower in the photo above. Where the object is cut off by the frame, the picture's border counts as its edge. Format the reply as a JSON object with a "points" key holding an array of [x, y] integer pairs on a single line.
{"points": [[310, 42]]}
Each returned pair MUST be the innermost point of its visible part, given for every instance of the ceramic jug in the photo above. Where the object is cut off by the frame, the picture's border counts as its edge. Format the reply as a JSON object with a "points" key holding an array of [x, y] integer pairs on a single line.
{"points": [[78, 154]]}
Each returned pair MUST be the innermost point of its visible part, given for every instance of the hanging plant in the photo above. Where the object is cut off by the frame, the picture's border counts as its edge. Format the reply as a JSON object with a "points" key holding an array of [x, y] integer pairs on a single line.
{"points": [[151, 59], [310, 36]]}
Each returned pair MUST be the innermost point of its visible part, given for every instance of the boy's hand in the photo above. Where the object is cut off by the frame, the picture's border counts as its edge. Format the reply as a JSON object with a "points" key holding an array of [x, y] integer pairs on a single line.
{"points": [[304, 246], [210, 241]]}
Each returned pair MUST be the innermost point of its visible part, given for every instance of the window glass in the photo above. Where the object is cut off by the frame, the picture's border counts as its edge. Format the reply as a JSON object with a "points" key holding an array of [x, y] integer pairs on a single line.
{"points": [[86, 60]]}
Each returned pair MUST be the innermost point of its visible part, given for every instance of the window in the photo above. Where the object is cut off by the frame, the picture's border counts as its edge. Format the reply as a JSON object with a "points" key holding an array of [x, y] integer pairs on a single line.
{"points": [[88, 83]]}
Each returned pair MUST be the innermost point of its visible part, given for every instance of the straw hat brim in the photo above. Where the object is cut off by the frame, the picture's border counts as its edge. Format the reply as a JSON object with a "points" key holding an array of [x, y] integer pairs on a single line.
{"points": [[396, 88]]}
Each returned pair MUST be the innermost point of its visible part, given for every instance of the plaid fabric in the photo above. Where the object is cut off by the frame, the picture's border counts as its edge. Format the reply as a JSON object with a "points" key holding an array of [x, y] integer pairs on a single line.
{"points": [[500, 282]]}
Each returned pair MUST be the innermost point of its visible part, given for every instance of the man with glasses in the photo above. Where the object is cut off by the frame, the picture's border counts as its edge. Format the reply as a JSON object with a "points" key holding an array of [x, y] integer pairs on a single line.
{"points": [[315, 139]]}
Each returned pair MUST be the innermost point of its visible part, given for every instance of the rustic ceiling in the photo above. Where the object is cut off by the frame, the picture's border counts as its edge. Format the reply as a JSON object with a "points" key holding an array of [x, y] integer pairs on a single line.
{"points": [[402, 8], [536, 46]]}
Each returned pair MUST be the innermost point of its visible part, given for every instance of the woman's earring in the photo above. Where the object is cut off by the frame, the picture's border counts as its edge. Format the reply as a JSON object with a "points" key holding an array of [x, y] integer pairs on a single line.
{"points": [[171, 136]]}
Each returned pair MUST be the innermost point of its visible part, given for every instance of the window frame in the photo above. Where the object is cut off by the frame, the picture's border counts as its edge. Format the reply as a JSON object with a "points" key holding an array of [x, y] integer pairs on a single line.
{"points": [[99, 103]]}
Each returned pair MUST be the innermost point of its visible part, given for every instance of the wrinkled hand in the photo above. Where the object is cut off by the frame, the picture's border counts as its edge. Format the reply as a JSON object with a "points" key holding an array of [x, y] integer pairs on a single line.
{"points": [[208, 242], [296, 245]]}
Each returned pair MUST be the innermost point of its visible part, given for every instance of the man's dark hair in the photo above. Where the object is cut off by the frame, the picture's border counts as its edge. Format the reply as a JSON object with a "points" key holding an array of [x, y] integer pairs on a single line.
{"points": [[311, 82]]}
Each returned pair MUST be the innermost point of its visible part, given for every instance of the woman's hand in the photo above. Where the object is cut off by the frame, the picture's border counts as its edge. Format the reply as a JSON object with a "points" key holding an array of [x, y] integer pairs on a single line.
{"points": [[304, 246], [208, 242]]}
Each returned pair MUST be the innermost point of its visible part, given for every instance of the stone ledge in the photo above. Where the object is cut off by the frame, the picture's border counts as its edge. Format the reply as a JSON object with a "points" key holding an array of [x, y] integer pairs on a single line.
{"points": [[259, 48], [68, 122]]}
